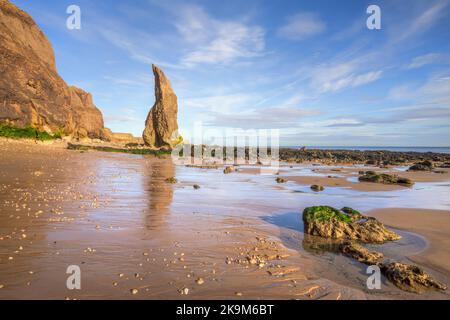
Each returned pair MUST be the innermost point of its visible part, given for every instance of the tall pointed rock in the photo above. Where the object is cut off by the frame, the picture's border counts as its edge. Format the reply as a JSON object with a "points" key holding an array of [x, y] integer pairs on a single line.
{"points": [[161, 126]]}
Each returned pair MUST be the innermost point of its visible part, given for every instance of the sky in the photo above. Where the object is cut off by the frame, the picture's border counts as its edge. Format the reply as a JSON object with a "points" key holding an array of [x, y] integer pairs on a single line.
{"points": [[311, 69]]}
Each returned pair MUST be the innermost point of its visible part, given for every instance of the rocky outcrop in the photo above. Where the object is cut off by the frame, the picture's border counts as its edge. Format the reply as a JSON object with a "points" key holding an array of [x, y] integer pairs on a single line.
{"points": [[332, 223], [31, 91], [422, 166], [161, 126], [360, 253], [371, 176], [410, 278]]}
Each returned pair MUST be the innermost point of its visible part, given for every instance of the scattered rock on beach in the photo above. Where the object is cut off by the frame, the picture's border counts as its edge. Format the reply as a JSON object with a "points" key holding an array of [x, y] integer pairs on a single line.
{"points": [[280, 180], [317, 188], [409, 277], [422, 166], [371, 176], [360, 253], [196, 186], [171, 180], [229, 169], [329, 222]]}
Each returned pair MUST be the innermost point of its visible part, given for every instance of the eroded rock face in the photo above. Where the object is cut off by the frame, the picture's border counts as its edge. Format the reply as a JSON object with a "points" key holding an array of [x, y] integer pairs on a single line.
{"points": [[332, 223], [161, 126], [31, 91], [409, 277]]}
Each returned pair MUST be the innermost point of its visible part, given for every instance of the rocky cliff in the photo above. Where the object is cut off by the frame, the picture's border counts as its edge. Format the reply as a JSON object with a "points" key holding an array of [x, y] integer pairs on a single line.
{"points": [[161, 126], [31, 91]]}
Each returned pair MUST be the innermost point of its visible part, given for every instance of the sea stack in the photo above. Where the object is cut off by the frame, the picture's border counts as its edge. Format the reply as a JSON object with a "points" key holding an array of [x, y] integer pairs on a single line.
{"points": [[32, 94], [161, 126]]}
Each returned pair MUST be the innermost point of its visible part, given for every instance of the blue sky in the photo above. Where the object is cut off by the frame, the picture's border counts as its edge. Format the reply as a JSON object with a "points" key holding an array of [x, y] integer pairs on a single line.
{"points": [[309, 68]]}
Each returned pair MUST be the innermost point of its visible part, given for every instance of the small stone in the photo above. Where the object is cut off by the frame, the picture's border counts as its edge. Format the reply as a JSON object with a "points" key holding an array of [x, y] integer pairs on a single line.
{"points": [[200, 281], [239, 294], [134, 291]]}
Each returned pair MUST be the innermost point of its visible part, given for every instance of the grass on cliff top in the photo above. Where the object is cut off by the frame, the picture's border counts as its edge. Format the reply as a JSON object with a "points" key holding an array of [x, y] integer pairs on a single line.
{"points": [[26, 133], [324, 214], [80, 147]]}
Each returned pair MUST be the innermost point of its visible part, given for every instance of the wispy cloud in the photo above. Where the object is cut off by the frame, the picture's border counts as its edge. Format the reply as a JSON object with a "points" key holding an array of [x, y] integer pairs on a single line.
{"points": [[215, 41], [301, 26], [338, 77], [424, 60]]}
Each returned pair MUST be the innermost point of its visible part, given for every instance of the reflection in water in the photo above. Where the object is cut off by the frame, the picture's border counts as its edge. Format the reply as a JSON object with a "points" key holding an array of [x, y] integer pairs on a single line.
{"points": [[160, 192]]}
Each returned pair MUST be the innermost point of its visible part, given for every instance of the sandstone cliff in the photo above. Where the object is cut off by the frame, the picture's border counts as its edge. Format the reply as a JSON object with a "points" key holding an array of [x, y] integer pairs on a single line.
{"points": [[161, 127], [31, 91]]}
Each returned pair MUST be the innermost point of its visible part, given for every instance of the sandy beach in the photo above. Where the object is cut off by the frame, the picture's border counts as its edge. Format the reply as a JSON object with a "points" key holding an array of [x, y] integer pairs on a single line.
{"points": [[116, 217]]}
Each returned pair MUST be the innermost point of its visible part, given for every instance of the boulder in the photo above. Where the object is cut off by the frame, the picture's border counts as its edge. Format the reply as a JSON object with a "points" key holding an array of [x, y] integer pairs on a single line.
{"points": [[360, 253], [161, 126], [409, 277], [332, 223], [371, 176], [280, 180], [229, 169], [422, 166], [317, 188], [32, 94]]}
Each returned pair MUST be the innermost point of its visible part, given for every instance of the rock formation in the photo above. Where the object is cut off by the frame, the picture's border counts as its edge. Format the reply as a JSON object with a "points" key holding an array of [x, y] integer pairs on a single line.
{"points": [[371, 176], [161, 127], [410, 278], [31, 91], [332, 223]]}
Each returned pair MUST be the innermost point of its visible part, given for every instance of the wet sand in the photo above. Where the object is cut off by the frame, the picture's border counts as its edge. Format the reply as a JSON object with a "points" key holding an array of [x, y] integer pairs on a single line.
{"points": [[116, 217], [434, 225]]}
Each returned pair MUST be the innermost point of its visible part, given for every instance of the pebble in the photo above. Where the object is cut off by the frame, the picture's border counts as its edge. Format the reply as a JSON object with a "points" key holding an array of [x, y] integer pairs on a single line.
{"points": [[200, 281], [134, 291]]}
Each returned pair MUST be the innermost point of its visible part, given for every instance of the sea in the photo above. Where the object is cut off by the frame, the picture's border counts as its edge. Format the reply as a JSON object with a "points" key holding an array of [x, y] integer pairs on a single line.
{"points": [[398, 149]]}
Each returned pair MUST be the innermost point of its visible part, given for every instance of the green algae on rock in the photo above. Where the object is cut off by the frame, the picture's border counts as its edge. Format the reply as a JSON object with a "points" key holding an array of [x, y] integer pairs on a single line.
{"points": [[329, 222]]}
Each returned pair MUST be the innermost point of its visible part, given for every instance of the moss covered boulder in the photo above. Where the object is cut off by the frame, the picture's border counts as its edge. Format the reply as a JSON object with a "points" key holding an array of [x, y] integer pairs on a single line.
{"points": [[371, 176], [328, 222]]}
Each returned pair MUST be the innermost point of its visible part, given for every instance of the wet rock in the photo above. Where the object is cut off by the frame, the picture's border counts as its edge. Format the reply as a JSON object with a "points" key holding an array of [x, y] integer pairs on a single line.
{"points": [[161, 126], [280, 180], [317, 188], [355, 215], [134, 291], [409, 277], [329, 222], [360, 253], [196, 186], [171, 180], [200, 281], [229, 169], [422, 166], [371, 176]]}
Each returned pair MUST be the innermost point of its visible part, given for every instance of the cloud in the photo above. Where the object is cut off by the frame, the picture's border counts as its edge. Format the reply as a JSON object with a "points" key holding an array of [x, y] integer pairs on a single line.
{"points": [[264, 118], [423, 22], [301, 26], [424, 60], [214, 41], [338, 77]]}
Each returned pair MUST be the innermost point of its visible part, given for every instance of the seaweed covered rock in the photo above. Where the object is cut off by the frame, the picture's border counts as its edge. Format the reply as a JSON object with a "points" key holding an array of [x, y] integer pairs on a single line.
{"points": [[410, 278], [280, 180], [317, 188], [354, 214], [360, 253], [371, 176], [422, 166], [329, 222]]}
